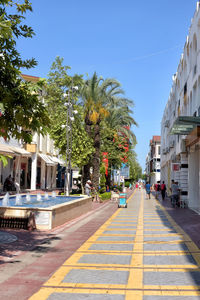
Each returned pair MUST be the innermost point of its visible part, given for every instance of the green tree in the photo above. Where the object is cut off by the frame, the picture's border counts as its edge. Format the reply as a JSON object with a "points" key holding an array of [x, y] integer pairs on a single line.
{"points": [[57, 84], [21, 109]]}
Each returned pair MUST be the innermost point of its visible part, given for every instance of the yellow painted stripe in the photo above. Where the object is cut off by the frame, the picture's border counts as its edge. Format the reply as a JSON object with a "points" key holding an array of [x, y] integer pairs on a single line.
{"points": [[135, 280]]}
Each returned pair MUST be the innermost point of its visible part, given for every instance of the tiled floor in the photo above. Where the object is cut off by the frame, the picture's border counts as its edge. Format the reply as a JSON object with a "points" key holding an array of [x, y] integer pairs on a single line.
{"points": [[139, 253]]}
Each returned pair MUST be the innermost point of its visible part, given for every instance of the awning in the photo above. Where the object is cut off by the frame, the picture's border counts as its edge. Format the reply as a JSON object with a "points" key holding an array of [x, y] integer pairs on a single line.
{"points": [[193, 137], [47, 160], [184, 125], [57, 160], [5, 150], [20, 151]]}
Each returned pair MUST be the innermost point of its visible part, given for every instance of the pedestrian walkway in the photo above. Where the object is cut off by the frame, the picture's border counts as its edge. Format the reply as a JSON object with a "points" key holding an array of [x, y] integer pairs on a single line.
{"points": [[139, 253]]}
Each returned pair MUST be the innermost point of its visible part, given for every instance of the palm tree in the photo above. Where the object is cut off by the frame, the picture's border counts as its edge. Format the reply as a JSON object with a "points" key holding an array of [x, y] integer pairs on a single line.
{"points": [[98, 96]]}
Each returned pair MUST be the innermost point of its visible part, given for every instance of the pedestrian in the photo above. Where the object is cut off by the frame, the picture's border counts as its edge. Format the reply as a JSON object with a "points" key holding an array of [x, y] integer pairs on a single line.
{"points": [[88, 188], [163, 190], [8, 184], [148, 189], [157, 189], [175, 193]]}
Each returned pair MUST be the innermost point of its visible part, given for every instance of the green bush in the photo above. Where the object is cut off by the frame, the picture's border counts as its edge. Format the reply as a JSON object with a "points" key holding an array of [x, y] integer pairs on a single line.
{"points": [[102, 190], [105, 196], [127, 183]]}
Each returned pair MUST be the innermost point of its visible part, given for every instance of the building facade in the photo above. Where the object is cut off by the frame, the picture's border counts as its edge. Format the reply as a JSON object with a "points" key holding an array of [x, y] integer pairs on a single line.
{"points": [[153, 160], [180, 142], [31, 166]]}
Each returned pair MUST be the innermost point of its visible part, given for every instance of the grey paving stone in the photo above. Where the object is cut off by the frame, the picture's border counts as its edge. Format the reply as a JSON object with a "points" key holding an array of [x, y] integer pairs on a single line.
{"points": [[162, 238], [171, 297], [126, 218], [168, 260], [124, 222], [156, 218], [112, 247], [105, 259], [97, 276], [123, 226], [171, 278], [158, 224], [159, 231], [116, 238], [158, 227], [71, 296], [165, 247], [119, 232]]}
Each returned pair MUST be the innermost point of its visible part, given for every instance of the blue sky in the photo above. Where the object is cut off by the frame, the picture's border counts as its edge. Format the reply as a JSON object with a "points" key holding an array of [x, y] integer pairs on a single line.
{"points": [[137, 42]]}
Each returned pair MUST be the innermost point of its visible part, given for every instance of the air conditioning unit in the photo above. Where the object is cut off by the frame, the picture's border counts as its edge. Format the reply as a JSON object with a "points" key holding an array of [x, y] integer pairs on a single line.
{"points": [[167, 149], [195, 70], [166, 124], [183, 146]]}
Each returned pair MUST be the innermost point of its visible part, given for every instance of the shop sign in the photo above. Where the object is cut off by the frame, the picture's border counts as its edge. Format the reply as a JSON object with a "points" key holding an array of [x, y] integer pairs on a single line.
{"points": [[175, 167]]}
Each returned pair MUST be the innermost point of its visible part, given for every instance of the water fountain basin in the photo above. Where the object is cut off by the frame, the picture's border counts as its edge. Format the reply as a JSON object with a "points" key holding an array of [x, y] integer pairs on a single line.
{"points": [[49, 213]]}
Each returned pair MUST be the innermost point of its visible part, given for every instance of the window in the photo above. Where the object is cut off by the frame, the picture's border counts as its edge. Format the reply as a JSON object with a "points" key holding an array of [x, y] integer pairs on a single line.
{"points": [[158, 150]]}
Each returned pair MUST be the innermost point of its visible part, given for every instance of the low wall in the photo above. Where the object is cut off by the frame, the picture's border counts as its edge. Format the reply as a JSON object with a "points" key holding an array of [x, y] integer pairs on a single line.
{"points": [[51, 217]]}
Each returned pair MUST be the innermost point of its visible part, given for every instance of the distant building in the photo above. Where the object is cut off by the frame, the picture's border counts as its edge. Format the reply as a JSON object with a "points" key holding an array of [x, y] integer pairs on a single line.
{"points": [[153, 160]]}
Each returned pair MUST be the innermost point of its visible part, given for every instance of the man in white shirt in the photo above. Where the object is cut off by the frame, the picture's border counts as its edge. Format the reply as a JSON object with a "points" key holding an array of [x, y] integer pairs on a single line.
{"points": [[88, 188]]}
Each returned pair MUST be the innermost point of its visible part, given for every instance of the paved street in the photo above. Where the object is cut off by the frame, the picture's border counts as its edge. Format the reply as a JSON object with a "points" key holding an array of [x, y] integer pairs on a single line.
{"points": [[138, 253]]}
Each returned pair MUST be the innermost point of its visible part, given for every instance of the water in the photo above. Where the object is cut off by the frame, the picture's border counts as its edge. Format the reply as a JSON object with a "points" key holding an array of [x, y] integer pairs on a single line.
{"points": [[28, 198], [18, 200], [39, 197], [53, 194], [51, 201], [46, 196], [5, 200]]}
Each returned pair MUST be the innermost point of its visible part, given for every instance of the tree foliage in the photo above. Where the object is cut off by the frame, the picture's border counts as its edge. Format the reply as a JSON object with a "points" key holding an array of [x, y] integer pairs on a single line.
{"points": [[104, 104], [135, 168], [58, 83], [19, 102]]}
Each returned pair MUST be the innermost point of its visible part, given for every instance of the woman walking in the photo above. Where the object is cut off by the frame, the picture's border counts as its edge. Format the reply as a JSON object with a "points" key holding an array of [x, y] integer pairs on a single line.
{"points": [[163, 190]]}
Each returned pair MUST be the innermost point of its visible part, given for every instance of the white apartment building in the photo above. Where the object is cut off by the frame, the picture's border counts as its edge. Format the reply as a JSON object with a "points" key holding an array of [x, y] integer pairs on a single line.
{"points": [[153, 160], [180, 127], [31, 165]]}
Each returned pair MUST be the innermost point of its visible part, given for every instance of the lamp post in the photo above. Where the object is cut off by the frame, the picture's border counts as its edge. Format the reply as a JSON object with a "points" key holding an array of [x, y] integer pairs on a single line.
{"points": [[68, 126]]}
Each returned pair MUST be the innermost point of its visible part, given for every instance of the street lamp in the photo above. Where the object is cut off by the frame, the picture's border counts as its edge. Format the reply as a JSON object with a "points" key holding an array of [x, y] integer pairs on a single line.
{"points": [[69, 120]]}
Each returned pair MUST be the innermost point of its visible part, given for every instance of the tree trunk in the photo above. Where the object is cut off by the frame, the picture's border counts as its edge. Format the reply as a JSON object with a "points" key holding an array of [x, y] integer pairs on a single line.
{"points": [[86, 173], [96, 156], [86, 168]]}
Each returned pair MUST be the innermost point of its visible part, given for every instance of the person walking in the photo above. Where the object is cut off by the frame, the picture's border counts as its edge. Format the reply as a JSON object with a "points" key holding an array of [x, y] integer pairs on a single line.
{"points": [[175, 193], [163, 190], [148, 189], [157, 189]]}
